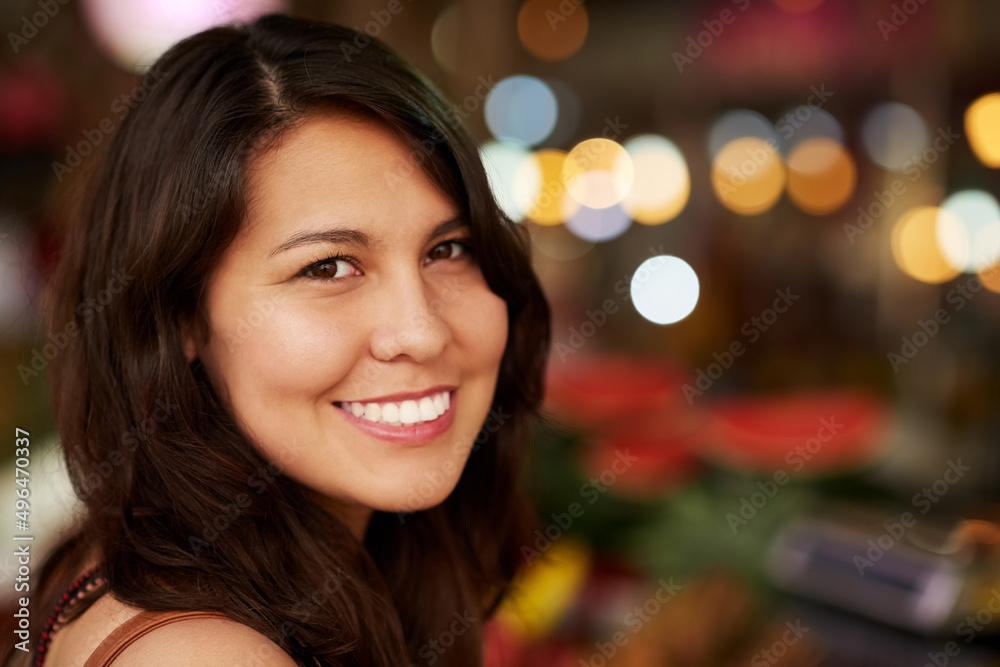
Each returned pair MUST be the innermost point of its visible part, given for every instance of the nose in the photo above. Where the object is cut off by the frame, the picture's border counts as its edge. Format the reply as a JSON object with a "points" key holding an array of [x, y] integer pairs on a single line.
{"points": [[408, 324]]}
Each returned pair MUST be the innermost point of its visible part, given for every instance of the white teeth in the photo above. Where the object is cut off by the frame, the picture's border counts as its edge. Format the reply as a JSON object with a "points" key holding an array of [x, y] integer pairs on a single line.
{"points": [[426, 409], [390, 412], [409, 413]]}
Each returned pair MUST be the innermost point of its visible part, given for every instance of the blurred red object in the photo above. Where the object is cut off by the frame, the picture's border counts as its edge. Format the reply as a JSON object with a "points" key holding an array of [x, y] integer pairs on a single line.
{"points": [[32, 104], [802, 432], [639, 425], [593, 390], [502, 646], [655, 450]]}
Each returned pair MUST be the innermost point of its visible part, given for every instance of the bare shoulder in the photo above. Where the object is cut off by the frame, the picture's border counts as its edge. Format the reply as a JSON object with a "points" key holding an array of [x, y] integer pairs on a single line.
{"points": [[212, 642]]}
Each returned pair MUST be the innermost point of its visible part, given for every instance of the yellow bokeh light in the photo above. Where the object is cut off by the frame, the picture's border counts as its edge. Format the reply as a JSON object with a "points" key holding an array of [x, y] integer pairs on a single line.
{"points": [[915, 246], [552, 30], [982, 126], [748, 175], [598, 173], [661, 183], [990, 277], [552, 205], [543, 590], [821, 175]]}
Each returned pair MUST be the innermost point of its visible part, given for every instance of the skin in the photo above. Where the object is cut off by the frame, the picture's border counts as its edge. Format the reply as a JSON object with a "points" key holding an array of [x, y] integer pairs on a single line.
{"points": [[412, 313]]}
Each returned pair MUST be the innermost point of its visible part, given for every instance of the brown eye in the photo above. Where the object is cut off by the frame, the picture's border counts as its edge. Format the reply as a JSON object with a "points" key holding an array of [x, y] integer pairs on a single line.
{"points": [[327, 269], [436, 253]]}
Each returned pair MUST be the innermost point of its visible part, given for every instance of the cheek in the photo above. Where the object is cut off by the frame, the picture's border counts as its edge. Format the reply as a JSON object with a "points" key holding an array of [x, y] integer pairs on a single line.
{"points": [[267, 348], [478, 321]]}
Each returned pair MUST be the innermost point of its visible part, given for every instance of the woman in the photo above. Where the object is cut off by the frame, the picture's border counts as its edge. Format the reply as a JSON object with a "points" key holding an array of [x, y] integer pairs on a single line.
{"points": [[305, 409]]}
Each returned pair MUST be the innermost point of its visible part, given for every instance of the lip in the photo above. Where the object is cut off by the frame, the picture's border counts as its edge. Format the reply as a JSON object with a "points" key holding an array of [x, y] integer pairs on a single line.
{"points": [[411, 436]]}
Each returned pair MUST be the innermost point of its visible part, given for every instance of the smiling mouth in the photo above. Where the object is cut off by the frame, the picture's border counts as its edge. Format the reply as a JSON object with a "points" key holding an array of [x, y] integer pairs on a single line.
{"points": [[401, 413]]}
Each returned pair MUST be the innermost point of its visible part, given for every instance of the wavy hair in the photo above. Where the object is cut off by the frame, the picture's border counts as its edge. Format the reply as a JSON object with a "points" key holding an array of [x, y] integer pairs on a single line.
{"points": [[157, 457]]}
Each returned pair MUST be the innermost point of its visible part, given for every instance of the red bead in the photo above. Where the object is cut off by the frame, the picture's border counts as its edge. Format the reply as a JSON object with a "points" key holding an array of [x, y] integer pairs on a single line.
{"points": [[87, 582]]}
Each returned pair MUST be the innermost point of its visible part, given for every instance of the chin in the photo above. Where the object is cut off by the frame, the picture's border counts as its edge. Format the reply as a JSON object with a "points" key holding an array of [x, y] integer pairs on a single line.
{"points": [[427, 490]]}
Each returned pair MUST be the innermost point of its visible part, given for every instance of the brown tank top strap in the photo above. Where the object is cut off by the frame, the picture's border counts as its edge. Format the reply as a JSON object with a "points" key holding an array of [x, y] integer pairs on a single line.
{"points": [[139, 625]]}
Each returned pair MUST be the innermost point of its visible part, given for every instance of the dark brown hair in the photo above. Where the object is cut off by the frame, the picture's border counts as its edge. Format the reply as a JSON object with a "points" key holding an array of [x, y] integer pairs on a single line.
{"points": [[155, 454]]}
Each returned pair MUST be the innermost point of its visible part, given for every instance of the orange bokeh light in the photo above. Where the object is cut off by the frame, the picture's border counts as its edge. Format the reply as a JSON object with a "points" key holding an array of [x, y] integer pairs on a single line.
{"points": [[552, 30]]}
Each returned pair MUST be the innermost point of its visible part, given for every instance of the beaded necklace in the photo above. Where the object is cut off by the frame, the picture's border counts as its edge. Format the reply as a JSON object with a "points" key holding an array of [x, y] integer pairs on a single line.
{"points": [[87, 582]]}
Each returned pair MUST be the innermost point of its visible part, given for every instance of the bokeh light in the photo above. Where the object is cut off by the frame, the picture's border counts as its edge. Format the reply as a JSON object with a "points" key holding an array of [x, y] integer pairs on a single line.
{"points": [[748, 176], [598, 172], [804, 122], [599, 224], [915, 245], [661, 182], [521, 109], [552, 30], [982, 126], [737, 124], [664, 289], [446, 38], [821, 175], [515, 177], [990, 277], [969, 237], [893, 133], [136, 33], [553, 204]]}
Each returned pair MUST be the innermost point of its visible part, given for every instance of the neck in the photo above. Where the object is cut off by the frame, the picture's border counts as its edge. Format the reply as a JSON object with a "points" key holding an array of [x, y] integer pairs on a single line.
{"points": [[353, 515]]}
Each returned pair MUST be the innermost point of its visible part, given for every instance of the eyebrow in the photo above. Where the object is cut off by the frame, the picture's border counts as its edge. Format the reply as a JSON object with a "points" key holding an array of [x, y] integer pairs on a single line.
{"points": [[355, 237]]}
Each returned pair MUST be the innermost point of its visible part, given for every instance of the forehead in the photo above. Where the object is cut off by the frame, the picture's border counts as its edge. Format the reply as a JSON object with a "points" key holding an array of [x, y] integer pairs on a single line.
{"points": [[339, 166]]}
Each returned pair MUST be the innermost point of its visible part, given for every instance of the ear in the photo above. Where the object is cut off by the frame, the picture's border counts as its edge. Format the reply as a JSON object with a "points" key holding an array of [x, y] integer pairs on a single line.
{"points": [[190, 340]]}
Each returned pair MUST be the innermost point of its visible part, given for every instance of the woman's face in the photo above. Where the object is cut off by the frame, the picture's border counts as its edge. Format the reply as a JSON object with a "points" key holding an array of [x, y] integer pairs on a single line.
{"points": [[338, 368]]}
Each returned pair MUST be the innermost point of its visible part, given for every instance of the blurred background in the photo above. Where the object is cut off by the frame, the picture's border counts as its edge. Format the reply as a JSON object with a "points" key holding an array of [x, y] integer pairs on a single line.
{"points": [[769, 232]]}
